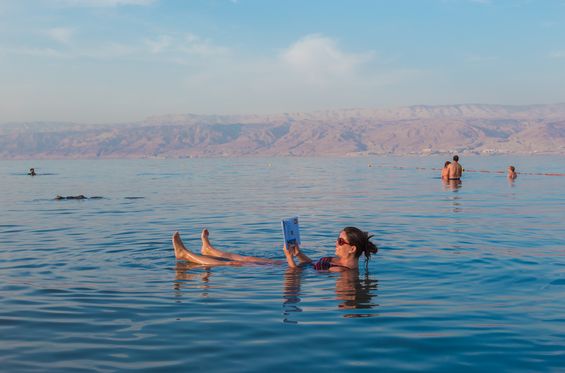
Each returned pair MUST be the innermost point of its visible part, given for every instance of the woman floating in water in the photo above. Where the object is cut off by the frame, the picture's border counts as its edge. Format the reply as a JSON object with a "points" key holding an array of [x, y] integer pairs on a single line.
{"points": [[351, 243]]}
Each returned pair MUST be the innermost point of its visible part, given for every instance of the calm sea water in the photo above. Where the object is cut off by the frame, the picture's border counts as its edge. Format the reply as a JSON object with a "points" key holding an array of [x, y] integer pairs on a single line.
{"points": [[468, 278]]}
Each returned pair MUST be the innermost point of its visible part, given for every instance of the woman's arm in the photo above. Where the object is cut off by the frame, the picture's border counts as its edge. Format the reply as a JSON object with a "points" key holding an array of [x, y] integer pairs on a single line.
{"points": [[289, 256], [302, 257], [294, 251]]}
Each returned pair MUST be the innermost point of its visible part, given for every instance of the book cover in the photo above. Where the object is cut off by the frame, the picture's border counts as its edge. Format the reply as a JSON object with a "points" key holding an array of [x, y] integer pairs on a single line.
{"points": [[291, 231]]}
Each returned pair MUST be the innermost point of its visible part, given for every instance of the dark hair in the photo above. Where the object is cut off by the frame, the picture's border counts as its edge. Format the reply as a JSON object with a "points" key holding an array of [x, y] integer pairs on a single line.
{"points": [[455, 158], [512, 168], [447, 163], [362, 241]]}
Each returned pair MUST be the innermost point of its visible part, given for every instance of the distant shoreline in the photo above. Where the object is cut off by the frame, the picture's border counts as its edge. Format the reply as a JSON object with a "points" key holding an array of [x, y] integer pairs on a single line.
{"points": [[414, 130], [446, 155]]}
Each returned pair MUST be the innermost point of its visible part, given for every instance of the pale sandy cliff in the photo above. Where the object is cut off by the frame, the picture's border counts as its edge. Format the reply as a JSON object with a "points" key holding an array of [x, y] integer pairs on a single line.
{"points": [[481, 129]]}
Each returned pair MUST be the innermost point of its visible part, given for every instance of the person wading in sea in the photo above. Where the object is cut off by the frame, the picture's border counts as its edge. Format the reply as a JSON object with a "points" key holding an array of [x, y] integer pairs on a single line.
{"points": [[454, 170], [444, 170], [512, 172]]}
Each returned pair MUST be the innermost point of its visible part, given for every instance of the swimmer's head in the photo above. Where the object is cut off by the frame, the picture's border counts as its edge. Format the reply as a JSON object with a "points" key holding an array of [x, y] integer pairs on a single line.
{"points": [[362, 242]]}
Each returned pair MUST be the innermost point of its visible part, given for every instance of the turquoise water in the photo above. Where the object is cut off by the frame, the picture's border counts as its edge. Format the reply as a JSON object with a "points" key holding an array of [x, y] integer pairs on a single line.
{"points": [[468, 278]]}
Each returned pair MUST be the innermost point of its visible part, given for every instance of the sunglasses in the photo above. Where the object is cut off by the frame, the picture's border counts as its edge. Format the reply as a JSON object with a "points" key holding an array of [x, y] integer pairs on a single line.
{"points": [[341, 242]]}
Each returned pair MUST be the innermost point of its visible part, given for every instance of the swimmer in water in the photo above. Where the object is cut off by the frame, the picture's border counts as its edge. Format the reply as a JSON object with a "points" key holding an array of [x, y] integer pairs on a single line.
{"points": [[444, 170], [454, 170], [349, 246], [512, 173]]}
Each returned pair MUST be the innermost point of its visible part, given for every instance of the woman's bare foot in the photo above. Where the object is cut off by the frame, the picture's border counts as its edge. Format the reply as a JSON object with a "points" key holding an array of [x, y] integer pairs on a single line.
{"points": [[182, 253], [207, 248], [180, 249]]}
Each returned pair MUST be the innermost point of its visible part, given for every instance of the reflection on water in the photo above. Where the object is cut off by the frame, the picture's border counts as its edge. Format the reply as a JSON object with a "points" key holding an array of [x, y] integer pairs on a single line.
{"points": [[185, 271], [291, 293], [356, 294], [352, 293], [453, 185]]}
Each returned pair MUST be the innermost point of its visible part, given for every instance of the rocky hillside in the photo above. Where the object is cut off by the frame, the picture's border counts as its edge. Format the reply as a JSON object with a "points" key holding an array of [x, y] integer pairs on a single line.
{"points": [[481, 129]]}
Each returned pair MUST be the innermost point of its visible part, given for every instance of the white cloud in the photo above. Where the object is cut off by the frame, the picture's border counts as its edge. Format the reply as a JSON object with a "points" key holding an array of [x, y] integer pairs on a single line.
{"points": [[319, 57], [160, 44], [557, 54], [104, 3], [548, 24], [194, 44], [312, 73], [61, 35], [178, 49], [34, 52], [198, 75], [181, 47], [111, 50], [102, 52]]}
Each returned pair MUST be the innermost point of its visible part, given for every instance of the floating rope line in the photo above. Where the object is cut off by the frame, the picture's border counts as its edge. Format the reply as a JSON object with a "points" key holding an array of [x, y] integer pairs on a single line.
{"points": [[487, 171], [519, 173]]}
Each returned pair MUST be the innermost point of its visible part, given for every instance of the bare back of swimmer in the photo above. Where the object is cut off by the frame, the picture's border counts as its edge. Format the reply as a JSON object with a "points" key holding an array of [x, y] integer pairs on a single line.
{"points": [[454, 170]]}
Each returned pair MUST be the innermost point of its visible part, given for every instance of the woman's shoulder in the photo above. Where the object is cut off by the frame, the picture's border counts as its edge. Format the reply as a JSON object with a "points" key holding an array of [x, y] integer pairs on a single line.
{"points": [[323, 263]]}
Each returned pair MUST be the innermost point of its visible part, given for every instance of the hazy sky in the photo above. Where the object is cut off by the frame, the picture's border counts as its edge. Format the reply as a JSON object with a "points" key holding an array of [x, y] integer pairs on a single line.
{"points": [[100, 61]]}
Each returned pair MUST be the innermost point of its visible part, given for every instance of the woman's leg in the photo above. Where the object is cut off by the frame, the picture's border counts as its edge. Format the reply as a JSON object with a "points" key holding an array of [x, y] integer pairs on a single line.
{"points": [[182, 253], [209, 250]]}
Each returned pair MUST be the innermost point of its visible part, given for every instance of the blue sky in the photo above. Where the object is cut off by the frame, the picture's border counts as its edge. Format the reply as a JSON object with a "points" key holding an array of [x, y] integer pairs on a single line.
{"points": [[104, 61]]}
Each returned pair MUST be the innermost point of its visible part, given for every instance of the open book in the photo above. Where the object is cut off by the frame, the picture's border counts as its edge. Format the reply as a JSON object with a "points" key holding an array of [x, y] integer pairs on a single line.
{"points": [[291, 231]]}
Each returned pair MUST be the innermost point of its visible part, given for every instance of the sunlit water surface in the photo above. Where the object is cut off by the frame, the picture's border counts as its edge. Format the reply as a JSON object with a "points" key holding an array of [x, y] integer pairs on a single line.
{"points": [[468, 277]]}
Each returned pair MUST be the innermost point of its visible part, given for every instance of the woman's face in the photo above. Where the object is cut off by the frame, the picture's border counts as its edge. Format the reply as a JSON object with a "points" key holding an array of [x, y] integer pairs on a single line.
{"points": [[343, 248]]}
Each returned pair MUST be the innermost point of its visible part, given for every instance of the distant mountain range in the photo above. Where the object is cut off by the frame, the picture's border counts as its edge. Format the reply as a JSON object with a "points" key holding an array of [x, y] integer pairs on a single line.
{"points": [[465, 129]]}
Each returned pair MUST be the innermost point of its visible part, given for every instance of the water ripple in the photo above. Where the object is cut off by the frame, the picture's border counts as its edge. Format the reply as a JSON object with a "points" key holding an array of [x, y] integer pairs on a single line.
{"points": [[466, 279]]}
